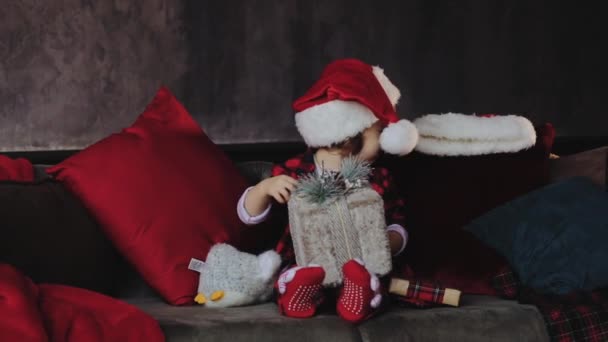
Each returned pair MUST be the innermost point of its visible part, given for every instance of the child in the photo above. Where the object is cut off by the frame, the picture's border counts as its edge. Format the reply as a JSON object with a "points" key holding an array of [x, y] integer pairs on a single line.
{"points": [[348, 111]]}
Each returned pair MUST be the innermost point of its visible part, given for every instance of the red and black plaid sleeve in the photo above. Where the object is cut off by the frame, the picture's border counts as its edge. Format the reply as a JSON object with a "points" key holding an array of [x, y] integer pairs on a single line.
{"points": [[295, 167], [383, 183]]}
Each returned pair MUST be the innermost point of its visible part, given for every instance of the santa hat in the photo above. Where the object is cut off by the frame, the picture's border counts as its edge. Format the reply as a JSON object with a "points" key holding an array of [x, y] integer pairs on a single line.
{"points": [[349, 97]]}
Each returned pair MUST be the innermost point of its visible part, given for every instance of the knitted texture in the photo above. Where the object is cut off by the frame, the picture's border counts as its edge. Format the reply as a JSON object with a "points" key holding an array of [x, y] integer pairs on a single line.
{"points": [[237, 278], [359, 297], [339, 230], [300, 291]]}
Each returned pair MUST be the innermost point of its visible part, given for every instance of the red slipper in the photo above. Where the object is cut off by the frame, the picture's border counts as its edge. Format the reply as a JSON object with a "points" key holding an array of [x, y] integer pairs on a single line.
{"points": [[359, 296], [300, 291]]}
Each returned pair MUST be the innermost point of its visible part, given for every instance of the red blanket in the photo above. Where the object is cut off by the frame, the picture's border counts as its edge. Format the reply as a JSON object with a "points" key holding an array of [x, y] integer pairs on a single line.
{"points": [[57, 313]]}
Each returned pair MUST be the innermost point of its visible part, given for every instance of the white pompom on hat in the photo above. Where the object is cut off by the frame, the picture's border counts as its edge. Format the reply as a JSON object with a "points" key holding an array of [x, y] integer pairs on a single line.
{"points": [[349, 97]]}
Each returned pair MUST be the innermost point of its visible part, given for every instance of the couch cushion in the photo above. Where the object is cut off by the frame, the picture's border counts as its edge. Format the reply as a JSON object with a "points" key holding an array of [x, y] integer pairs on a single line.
{"points": [[592, 164], [554, 237], [48, 235], [255, 171], [250, 323], [478, 319]]}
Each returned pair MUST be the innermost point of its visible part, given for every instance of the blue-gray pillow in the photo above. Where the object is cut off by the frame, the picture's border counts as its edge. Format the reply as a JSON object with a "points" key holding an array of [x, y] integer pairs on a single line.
{"points": [[555, 238]]}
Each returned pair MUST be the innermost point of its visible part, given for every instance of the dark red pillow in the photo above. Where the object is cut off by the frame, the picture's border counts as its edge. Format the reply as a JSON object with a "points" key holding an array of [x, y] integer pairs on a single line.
{"points": [[18, 170], [162, 191], [443, 194]]}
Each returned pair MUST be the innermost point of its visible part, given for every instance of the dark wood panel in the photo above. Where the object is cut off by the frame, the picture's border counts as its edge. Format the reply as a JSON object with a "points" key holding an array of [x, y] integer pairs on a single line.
{"points": [[277, 152]]}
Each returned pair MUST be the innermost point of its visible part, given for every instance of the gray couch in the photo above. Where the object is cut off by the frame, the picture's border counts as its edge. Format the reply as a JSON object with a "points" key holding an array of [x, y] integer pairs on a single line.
{"points": [[479, 318]]}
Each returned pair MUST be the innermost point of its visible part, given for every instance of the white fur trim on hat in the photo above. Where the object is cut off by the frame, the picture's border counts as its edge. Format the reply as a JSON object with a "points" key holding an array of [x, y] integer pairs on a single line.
{"points": [[333, 122], [399, 138], [390, 89], [455, 134]]}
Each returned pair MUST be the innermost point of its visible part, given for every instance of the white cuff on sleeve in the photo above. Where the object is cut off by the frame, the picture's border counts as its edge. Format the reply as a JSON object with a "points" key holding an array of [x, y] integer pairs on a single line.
{"points": [[401, 231], [245, 217]]}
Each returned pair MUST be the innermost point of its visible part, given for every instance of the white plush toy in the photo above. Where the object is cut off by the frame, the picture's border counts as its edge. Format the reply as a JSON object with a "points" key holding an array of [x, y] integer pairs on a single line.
{"points": [[233, 278]]}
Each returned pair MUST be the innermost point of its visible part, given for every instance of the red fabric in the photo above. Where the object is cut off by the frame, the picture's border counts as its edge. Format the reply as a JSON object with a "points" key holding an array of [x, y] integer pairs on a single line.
{"points": [[163, 192], [18, 170], [59, 313], [445, 193], [349, 80], [356, 294], [578, 316], [381, 181], [303, 293]]}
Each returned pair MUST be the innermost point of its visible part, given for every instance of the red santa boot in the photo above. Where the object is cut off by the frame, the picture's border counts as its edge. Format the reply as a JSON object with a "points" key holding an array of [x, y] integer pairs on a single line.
{"points": [[359, 296], [300, 291]]}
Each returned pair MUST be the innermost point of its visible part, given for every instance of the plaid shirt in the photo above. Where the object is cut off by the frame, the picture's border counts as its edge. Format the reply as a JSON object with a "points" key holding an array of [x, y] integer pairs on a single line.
{"points": [[581, 316], [380, 180]]}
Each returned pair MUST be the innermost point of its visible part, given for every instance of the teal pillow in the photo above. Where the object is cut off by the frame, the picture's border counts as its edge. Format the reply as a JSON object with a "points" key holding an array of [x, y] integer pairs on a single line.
{"points": [[555, 238]]}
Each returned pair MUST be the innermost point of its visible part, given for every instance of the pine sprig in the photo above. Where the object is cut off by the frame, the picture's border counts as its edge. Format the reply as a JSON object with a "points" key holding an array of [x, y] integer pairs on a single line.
{"points": [[355, 171], [319, 188]]}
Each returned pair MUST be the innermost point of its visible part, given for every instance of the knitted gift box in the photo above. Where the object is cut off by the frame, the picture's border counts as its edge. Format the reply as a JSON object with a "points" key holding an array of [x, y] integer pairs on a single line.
{"points": [[343, 228]]}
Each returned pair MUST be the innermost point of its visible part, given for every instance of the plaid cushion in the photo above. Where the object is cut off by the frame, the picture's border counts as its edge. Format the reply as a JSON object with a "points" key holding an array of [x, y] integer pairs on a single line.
{"points": [[581, 316], [574, 317], [422, 294], [506, 283]]}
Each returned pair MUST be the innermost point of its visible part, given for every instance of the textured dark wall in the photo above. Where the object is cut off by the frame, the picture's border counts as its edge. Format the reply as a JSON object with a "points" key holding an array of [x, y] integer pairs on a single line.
{"points": [[73, 71]]}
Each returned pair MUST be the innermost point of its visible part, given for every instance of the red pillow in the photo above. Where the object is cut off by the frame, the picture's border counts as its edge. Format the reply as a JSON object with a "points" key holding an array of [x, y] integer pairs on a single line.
{"points": [[443, 194], [17, 170], [162, 191]]}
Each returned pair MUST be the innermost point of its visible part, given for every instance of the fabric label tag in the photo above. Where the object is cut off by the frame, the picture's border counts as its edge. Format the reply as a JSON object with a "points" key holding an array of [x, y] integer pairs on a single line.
{"points": [[196, 265]]}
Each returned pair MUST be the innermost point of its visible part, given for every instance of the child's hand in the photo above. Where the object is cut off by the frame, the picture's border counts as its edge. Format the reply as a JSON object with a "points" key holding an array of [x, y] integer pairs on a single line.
{"points": [[279, 187]]}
